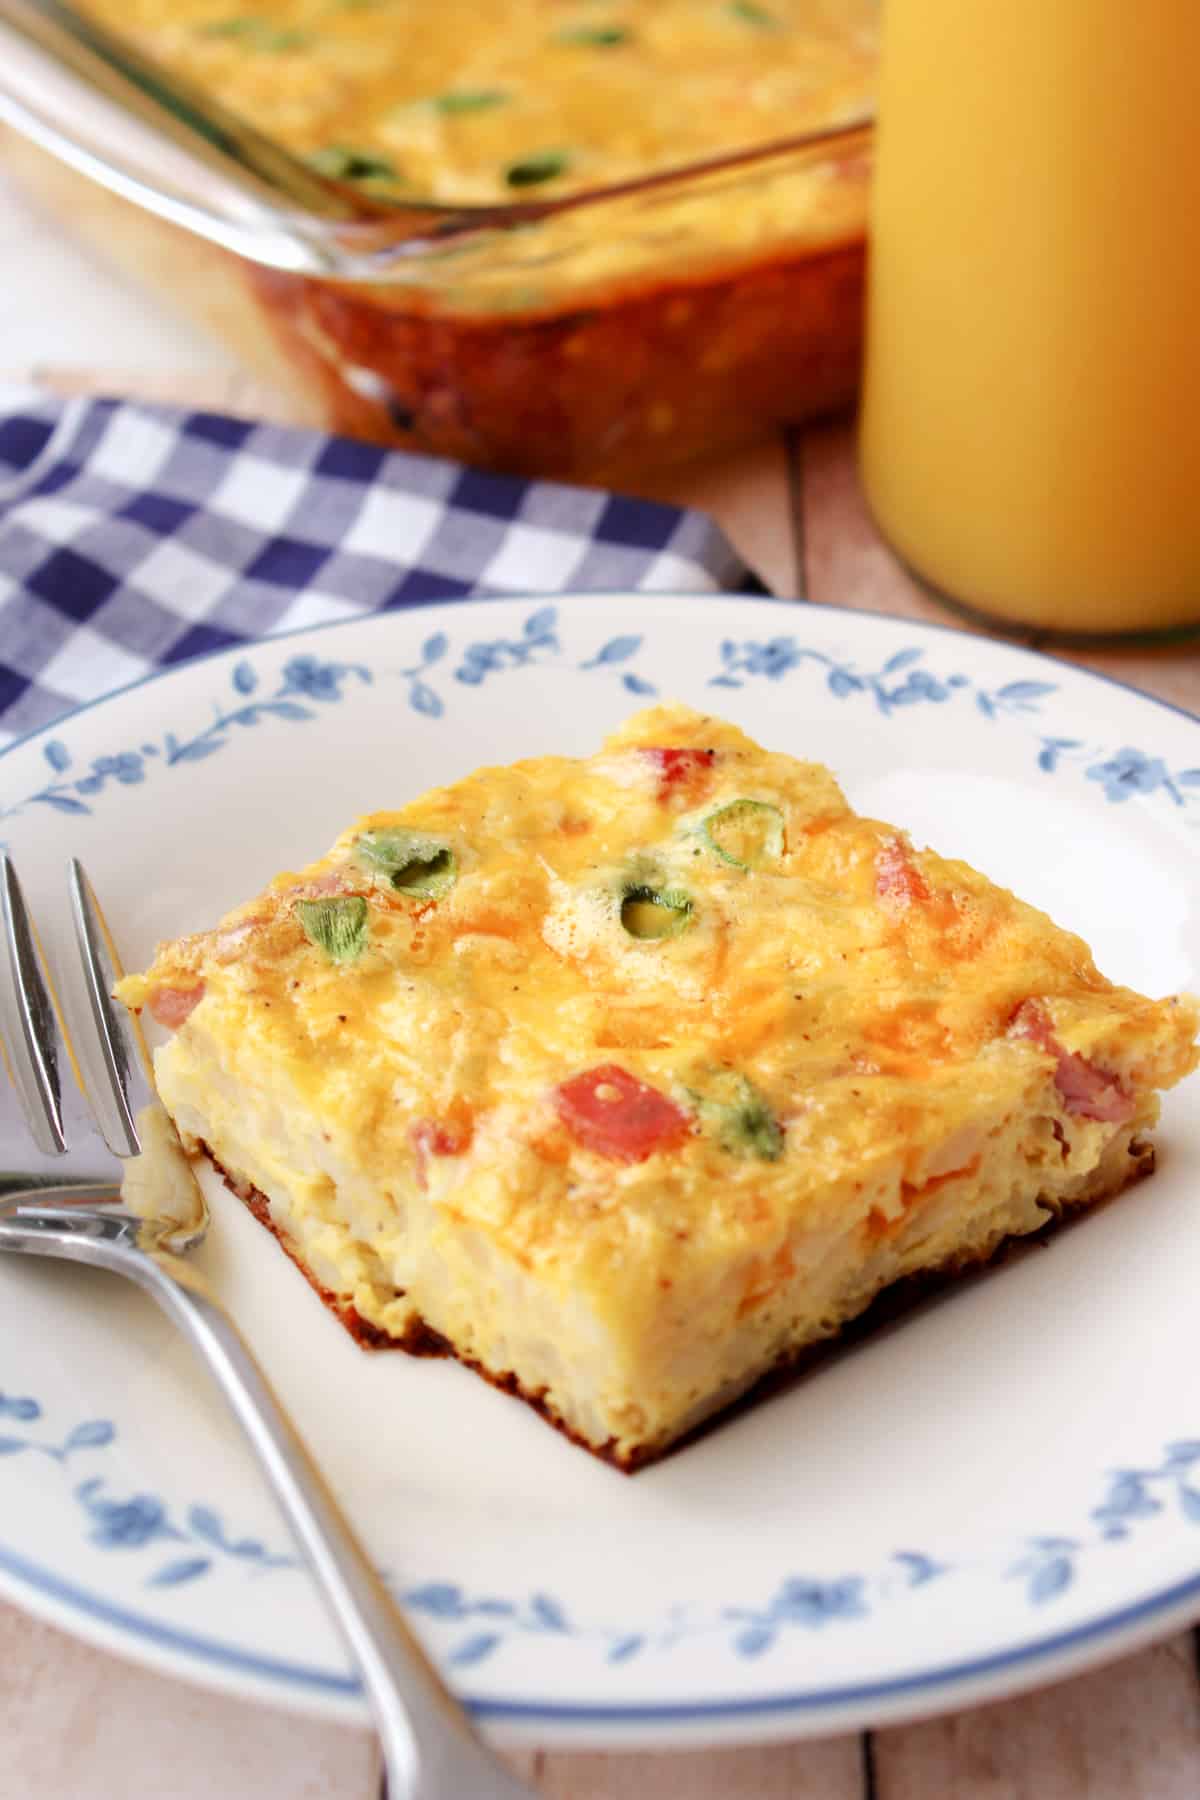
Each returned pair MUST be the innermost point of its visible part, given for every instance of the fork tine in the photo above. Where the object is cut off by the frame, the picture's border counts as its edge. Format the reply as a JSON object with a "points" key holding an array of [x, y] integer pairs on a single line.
{"points": [[33, 1049], [118, 1047]]}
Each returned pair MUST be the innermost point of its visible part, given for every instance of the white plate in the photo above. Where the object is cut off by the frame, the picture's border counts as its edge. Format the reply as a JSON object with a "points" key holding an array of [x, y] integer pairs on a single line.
{"points": [[1002, 1488]]}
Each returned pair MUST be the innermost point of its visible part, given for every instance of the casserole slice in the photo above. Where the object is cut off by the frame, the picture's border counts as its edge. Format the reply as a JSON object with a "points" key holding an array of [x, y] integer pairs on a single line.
{"points": [[625, 1079]]}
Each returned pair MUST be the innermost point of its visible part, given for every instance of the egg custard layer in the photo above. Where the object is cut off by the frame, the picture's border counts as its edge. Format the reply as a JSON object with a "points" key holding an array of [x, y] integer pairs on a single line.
{"points": [[626, 1078]]}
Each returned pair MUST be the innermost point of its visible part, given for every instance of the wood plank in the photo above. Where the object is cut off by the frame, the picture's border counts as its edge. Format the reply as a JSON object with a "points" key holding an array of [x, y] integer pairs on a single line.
{"points": [[845, 562], [222, 388], [1127, 1732], [79, 1724], [749, 495], [825, 1769]]}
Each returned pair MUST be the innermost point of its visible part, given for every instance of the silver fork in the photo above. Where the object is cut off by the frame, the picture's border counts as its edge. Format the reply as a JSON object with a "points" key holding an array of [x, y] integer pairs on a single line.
{"points": [[142, 1227]]}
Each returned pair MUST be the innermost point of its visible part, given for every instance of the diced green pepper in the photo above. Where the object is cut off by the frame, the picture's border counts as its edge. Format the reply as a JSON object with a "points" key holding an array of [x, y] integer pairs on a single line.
{"points": [[338, 926], [653, 912], [468, 100], [260, 34], [413, 863], [744, 1122], [544, 165], [342, 162], [595, 37], [239, 27], [746, 833], [754, 14]]}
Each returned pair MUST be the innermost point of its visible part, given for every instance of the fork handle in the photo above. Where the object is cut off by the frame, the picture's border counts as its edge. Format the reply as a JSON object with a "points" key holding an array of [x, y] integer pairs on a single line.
{"points": [[430, 1750]]}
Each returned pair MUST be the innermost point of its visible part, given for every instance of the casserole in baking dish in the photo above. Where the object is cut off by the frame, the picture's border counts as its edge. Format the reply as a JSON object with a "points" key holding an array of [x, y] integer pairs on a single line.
{"points": [[627, 1078], [557, 235]]}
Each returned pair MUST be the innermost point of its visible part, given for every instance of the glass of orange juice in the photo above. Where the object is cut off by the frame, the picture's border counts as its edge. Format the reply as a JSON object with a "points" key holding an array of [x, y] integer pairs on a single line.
{"points": [[1030, 434]]}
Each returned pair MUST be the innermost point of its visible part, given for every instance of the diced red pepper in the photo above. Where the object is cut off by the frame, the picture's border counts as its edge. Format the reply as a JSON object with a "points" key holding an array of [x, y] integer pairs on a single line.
{"points": [[611, 1112], [1088, 1091], [172, 1005], [1032, 1021], [897, 877], [680, 771], [435, 1137]]}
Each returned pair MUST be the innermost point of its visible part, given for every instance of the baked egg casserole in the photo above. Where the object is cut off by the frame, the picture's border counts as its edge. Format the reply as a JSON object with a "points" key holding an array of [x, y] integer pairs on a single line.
{"points": [[625, 1079], [479, 101]]}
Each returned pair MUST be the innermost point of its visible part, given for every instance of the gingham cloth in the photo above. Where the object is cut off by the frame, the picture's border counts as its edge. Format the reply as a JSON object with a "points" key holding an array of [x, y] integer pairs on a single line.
{"points": [[135, 536]]}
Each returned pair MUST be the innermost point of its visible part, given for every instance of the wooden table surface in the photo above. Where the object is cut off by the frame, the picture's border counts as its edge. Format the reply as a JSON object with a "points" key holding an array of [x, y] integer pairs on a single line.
{"points": [[78, 1724]]}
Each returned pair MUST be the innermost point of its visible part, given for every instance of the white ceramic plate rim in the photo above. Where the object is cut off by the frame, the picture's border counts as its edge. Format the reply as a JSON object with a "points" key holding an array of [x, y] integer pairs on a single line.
{"points": [[809, 1710]]}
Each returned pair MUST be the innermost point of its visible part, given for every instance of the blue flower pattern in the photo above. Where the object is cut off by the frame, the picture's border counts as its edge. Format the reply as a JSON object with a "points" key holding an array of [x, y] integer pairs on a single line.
{"points": [[1131, 772], [122, 1524], [303, 679], [308, 684], [779, 656], [140, 1519], [1124, 774], [194, 1542], [1047, 1566], [539, 643]]}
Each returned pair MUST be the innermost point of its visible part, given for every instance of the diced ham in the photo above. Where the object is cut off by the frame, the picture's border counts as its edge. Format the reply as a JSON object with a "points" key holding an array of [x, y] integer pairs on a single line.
{"points": [[440, 1137], [172, 1005], [609, 1111], [227, 945], [1088, 1091], [897, 877], [680, 770], [334, 881], [1032, 1021]]}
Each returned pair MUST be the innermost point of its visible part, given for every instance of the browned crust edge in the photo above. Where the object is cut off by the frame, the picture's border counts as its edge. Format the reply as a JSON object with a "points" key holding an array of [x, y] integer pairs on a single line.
{"points": [[421, 1339]]}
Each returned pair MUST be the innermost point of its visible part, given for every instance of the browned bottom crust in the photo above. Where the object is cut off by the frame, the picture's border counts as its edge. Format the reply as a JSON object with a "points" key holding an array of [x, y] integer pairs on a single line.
{"points": [[420, 1339]]}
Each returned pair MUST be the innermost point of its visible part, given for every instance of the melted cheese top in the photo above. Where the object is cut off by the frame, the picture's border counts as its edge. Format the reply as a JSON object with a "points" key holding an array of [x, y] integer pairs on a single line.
{"points": [[861, 990], [476, 101]]}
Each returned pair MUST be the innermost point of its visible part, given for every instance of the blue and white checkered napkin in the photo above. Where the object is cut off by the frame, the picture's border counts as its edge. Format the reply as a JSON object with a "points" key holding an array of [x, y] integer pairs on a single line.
{"points": [[134, 536]]}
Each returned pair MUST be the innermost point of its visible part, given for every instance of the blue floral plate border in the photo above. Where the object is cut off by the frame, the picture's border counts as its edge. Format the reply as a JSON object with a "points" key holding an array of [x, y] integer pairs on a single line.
{"points": [[909, 681]]}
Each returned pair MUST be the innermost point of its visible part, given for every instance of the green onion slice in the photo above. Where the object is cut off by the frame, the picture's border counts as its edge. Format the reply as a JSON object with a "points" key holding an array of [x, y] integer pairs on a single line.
{"points": [[754, 14], [744, 1122], [650, 912], [239, 27], [259, 33], [342, 162], [413, 863], [746, 833], [468, 100], [531, 170], [337, 926], [595, 37]]}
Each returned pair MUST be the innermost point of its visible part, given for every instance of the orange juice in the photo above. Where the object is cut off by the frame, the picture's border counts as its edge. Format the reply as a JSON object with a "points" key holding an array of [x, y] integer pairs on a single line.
{"points": [[1030, 436]]}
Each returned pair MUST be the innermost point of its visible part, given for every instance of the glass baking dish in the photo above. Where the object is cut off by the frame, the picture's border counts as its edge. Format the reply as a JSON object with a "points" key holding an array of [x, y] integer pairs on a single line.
{"points": [[598, 336]]}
